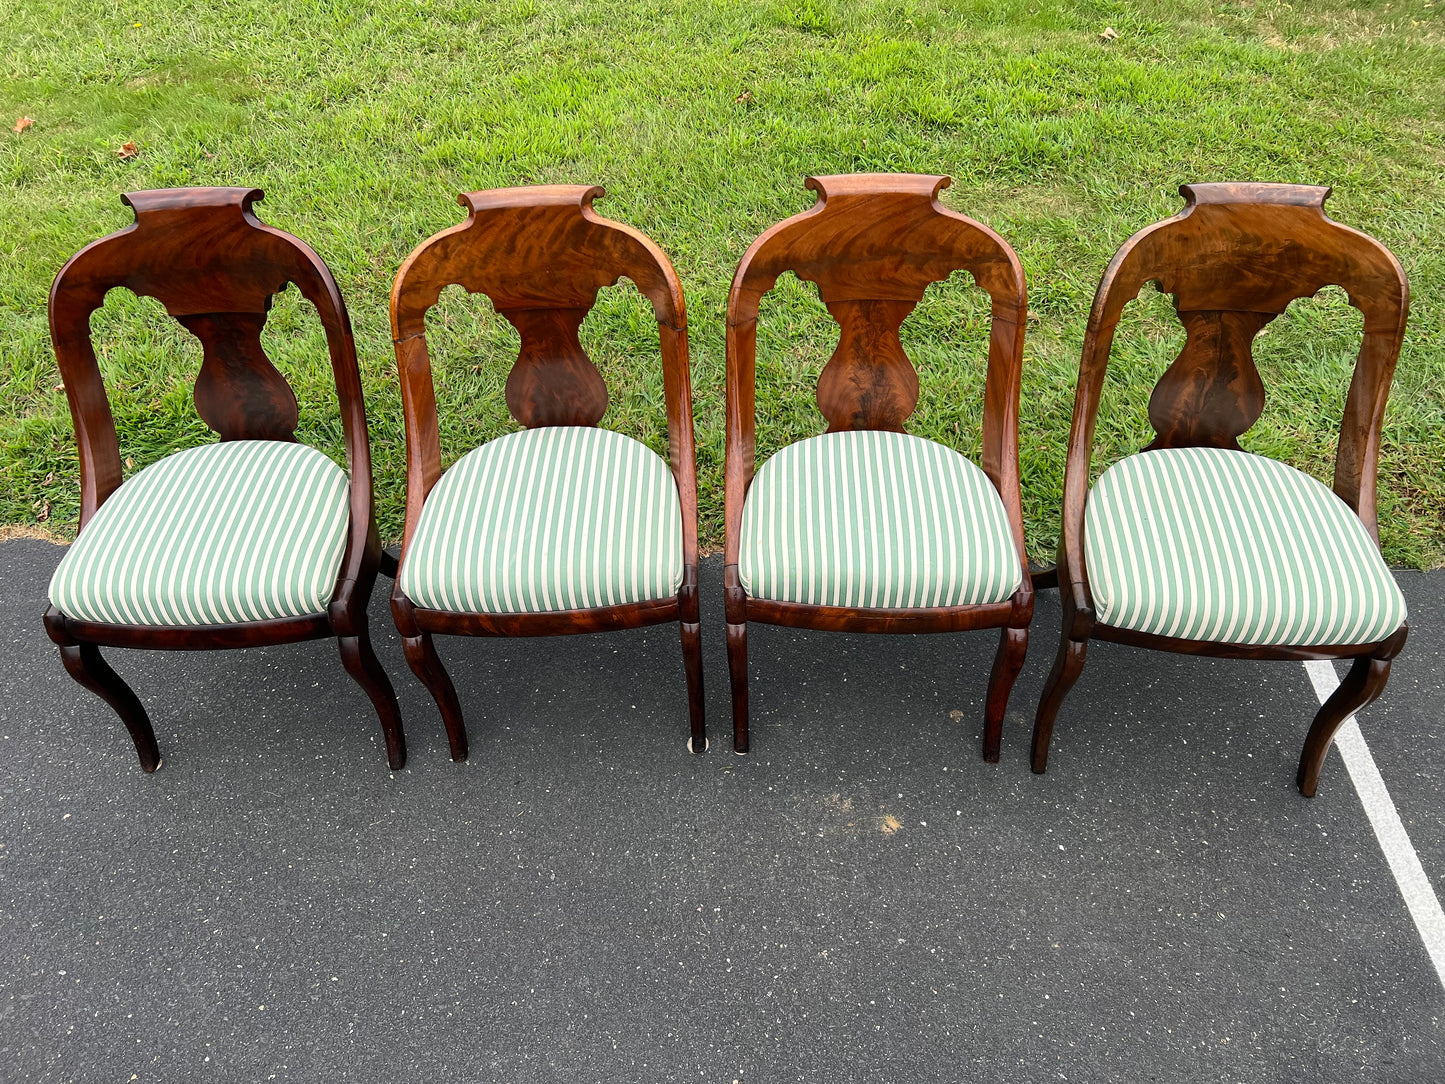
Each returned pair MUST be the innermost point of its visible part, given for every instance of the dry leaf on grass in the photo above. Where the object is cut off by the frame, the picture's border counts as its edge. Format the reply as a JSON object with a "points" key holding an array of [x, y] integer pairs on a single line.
{"points": [[1109, 34], [745, 97], [42, 511], [22, 124], [127, 150]]}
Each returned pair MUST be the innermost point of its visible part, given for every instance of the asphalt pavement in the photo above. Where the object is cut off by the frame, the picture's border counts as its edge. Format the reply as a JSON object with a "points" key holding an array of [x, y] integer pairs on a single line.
{"points": [[860, 899]]}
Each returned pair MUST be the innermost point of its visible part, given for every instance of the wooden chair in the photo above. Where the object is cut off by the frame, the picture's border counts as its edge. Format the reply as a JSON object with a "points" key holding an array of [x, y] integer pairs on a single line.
{"points": [[562, 527], [865, 528], [1194, 545], [254, 540]]}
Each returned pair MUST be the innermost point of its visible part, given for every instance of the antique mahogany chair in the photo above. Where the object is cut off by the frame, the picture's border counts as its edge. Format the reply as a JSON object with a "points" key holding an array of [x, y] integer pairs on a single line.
{"points": [[562, 527], [253, 540], [1194, 545], [866, 528]]}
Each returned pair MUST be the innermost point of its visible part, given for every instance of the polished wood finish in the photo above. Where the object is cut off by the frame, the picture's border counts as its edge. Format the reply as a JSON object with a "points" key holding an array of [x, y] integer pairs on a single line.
{"points": [[283, 630], [540, 254], [873, 243], [691, 634], [84, 663], [737, 644], [205, 256], [1013, 645], [1362, 685], [800, 615], [1234, 258], [421, 656], [239, 393], [631, 615]]}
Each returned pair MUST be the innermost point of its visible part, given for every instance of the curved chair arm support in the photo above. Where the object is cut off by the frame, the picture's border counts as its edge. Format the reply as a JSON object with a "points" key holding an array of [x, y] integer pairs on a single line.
{"points": [[1357, 457], [741, 432], [423, 439], [362, 555], [1072, 570], [95, 436], [1002, 386], [681, 438]]}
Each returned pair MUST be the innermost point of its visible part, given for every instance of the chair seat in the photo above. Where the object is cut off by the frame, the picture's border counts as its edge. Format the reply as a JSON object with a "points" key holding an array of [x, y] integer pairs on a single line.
{"points": [[244, 530], [874, 519], [1224, 546], [555, 518]]}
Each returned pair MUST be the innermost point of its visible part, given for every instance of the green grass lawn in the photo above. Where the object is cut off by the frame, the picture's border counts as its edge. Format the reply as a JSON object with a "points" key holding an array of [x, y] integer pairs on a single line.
{"points": [[362, 122]]}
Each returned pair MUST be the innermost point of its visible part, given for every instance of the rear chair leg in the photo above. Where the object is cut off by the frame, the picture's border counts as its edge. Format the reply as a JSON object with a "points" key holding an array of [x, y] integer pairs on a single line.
{"points": [[738, 672], [362, 664], [426, 664], [1068, 664], [1365, 681], [84, 664], [692, 664], [1013, 645]]}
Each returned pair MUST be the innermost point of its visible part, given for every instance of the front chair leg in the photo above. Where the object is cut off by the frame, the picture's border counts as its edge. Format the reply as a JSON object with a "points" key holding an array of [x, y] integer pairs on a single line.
{"points": [[692, 664], [84, 663], [1365, 681], [1013, 645], [1068, 664], [426, 664], [738, 673], [362, 664]]}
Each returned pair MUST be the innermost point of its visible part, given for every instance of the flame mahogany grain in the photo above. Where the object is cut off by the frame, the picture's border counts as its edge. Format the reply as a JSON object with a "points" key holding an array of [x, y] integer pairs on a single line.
{"points": [[541, 254], [1234, 258], [205, 256], [873, 243]]}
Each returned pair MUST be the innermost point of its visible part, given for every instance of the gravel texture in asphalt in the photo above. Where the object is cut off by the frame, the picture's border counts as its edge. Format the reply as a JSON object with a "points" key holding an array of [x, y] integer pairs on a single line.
{"points": [[861, 899]]}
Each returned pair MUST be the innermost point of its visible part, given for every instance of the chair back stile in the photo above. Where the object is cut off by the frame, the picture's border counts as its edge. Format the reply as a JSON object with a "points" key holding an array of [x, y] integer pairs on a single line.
{"points": [[1233, 259], [540, 254]]}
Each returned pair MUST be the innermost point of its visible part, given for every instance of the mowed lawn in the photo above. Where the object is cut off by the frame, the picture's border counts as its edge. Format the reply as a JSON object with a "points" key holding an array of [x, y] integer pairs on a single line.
{"points": [[363, 122]]}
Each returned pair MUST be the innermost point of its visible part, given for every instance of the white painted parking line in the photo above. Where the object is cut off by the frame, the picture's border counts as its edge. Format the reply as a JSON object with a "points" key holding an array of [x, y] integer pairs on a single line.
{"points": [[1415, 886]]}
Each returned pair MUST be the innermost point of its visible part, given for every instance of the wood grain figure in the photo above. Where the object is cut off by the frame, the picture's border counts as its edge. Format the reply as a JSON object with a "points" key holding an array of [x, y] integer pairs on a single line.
{"points": [[873, 243], [1233, 259], [540, 254], [214, 266]]}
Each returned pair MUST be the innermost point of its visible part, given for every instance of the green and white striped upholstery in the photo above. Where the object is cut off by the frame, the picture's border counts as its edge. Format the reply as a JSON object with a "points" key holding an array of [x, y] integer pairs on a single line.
{"points": [[244, 530], [557, 518], [1229, 547], [879, 520]]}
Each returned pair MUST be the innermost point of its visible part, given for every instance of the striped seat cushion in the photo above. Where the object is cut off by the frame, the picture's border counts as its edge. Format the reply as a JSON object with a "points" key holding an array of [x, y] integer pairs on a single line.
{"points": [[879, 520], [1229, 547], [557, 518], [244, 530]]}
